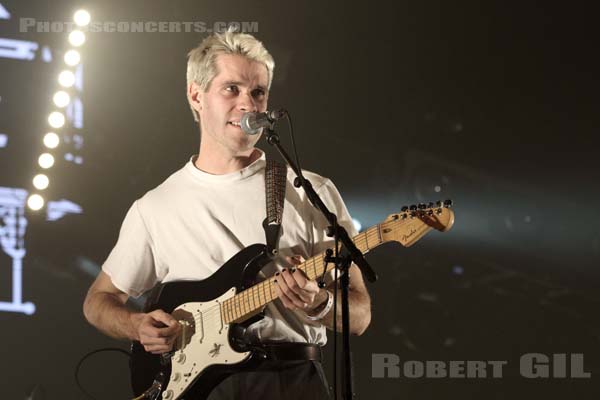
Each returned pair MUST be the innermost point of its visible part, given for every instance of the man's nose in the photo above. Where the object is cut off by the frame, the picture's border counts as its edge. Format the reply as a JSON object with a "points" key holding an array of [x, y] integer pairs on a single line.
{"points": [[246, 103]]}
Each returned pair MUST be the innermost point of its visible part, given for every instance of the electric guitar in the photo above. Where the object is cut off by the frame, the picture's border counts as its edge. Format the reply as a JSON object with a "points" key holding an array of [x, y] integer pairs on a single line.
{"points": [[214, 312]]}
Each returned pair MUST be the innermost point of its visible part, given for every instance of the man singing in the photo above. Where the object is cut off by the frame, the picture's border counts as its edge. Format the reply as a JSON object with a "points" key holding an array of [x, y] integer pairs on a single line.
{"points": [[209, 210]]}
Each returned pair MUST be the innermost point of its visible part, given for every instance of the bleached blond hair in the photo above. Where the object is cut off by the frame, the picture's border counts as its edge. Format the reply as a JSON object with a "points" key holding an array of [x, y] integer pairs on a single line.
{"points": [[202, 67]]}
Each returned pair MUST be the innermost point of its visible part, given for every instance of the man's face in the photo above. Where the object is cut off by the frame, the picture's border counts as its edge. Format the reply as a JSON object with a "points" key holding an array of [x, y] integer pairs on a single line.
{"points": [[240, 86]]}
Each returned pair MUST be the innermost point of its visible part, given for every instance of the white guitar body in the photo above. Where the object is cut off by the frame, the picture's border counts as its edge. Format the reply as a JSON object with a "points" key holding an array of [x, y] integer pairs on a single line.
{"points": [[204, 342]]}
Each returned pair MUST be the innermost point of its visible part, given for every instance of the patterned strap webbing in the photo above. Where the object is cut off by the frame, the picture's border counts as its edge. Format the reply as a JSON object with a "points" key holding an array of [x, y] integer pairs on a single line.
{"points": [[275, 183]]}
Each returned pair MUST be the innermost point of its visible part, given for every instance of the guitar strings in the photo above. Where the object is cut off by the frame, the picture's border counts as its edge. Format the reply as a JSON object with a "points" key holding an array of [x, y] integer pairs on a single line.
{"points": [[241, 303]]}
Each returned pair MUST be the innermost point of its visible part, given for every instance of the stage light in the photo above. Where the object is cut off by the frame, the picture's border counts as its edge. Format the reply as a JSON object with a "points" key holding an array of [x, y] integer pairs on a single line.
{"points": [[41, 181], [66, 78], [35, 202], [77, 38], [82, 17], [61, 98], [56, 119], [46, 160], [356, 224], [51, 140], [72, 57]]}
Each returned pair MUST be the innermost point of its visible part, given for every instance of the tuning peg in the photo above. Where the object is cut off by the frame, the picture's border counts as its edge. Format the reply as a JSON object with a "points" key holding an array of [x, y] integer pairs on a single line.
{"points": [[413, 208], [422, 206], [430, 205], [448, 203], [404, 209]]}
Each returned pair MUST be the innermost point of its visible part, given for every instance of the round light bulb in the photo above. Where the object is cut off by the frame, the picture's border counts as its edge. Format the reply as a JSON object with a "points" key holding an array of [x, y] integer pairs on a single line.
{"points": [[82, 17], [72, 57], [56, 119], [51, 140], [35, 202], [46, 160], [61, 98], [66, 78], [77, 38], [41, 181]]}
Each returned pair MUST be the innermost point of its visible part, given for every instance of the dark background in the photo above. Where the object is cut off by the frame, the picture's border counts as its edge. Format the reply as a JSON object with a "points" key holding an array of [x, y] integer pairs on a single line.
{"points": [[494, 102]]}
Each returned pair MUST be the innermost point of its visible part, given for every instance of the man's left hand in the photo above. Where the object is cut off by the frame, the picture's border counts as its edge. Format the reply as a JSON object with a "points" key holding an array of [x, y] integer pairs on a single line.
{"points": [[296, 290]]}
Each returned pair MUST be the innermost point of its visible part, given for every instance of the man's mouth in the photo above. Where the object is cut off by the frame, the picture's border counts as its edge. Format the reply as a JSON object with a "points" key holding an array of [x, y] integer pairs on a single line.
{"points": [[234, 123]]}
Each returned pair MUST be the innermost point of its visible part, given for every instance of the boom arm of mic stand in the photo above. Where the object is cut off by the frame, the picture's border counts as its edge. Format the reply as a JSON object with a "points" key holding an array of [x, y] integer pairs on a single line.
{"points": [[355, 254]]}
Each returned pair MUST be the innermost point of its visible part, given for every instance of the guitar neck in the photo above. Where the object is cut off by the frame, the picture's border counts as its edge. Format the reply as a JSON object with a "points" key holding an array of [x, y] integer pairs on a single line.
{"points": [[247, 302], [406, 228]]}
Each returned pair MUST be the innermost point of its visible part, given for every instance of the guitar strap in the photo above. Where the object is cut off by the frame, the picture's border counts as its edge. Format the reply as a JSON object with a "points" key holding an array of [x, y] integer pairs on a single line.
{"points": [[275, 183]]}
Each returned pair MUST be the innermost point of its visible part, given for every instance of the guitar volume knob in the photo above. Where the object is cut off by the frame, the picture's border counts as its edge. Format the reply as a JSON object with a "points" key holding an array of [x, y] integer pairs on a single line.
{"points": [[167, 395], [180, 358]]}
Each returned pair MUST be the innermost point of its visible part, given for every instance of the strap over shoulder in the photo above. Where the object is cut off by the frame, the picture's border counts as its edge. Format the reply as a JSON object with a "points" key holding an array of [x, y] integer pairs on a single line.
{"points": [[275, 185]]}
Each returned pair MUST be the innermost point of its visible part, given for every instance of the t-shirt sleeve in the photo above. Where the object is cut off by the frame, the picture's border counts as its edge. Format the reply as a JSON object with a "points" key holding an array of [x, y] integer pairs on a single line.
{"points": [[130, 264]]}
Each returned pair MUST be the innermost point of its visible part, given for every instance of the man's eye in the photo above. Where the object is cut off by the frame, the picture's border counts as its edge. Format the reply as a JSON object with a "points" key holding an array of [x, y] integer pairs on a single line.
{"points": [[232, 88], [258, 93]]}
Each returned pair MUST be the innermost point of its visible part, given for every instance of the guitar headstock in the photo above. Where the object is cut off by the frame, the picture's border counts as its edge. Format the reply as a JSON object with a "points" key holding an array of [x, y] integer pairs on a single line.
{"points": [[412, 222]]}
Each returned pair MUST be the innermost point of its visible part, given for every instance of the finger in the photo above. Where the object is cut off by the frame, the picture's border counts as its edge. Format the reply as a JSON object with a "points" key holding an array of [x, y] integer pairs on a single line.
{"points": [[153, 341], [165, 318], [298, 301], [295, 286], [295, 259], [157, 349], [287, 303], [169, 331]]}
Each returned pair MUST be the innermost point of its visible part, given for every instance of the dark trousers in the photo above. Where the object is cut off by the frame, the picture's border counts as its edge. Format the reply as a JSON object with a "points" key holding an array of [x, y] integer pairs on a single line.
{"points": [[277, 380]]}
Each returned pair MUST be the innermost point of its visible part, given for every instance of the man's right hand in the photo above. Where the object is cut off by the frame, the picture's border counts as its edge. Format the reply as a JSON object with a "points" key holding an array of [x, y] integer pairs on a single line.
{"points": [[156, 331]]}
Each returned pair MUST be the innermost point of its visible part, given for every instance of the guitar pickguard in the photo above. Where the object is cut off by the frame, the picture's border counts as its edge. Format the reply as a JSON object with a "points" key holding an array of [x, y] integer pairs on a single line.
{"points": [[204, 342]]}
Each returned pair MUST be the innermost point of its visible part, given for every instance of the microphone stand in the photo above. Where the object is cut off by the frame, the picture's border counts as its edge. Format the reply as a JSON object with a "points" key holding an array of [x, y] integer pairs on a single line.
{"points": [[350, 253]]}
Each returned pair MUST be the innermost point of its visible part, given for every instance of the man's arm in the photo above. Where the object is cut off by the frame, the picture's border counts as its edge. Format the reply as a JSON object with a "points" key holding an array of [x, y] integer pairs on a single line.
{"points": [[104, 307], [359, 301]]}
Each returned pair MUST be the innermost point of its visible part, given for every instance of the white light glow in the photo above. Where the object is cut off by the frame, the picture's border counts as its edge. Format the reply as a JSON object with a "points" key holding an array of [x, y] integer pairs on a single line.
{"points": [[46, 160], [35, 202], [77, 38], [41, 181], [66, 78], [72, 57], [51, 140], [56, 119], [61, 98], [82, 17]]}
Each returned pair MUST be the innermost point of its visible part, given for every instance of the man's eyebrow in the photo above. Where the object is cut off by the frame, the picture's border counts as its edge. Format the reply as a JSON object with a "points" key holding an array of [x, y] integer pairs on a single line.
{"points": [[238, 83], [232, 83]]}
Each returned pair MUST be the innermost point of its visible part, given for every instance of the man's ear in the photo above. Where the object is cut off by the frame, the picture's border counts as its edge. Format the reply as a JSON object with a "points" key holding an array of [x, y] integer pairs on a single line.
{"points": [[195, 96]]}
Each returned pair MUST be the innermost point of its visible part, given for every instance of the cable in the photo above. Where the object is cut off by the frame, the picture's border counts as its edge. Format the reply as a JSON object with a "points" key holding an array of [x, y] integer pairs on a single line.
{"points": [[78, 367], [289, 119]]}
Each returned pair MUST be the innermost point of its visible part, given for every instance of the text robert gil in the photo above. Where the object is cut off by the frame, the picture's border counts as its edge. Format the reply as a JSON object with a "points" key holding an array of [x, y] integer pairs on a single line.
{"points": [[531, 365]]}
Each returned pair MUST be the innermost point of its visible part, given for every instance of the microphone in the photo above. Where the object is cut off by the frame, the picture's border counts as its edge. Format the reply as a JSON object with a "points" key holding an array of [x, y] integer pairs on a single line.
{"points": [[252, 122]]}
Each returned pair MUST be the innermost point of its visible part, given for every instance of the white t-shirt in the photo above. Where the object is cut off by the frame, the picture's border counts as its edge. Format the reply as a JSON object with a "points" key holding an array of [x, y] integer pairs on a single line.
{"points": [[192, 223]]}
